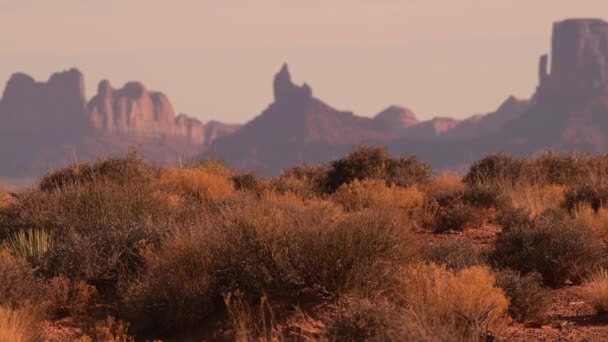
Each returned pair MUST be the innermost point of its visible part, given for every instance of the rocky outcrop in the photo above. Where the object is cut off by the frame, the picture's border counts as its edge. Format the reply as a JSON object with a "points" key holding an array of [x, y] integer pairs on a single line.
{"points": [[397, 117], [46, 125], [43, 112], [296, 127], [579, 59], [135, 110], [286, 91]]}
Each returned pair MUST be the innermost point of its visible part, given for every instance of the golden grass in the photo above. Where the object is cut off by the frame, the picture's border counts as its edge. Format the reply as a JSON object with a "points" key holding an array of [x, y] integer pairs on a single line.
{"points": [[445, 182], [597, 290], [365, 194], [596, 221], [19, 325], [5, 198], [535, 198], [467, 299], [202, 182]]}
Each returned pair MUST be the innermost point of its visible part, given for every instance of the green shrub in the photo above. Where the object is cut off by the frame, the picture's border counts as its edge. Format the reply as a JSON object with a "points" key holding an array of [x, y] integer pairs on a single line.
{"points": [[376, 163], [552, 245], [305, 181], [527, 299], [494, 168]]}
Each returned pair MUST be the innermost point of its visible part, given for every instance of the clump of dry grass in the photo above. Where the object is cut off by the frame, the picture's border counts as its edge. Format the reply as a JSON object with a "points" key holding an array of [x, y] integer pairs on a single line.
{"points": [[110, 330], [534, 198], [466, 302], [597, 290], [596, 220], [372, 193], [444, 183], [19, 325], [201, 182], [247, 323], [5, 198]]}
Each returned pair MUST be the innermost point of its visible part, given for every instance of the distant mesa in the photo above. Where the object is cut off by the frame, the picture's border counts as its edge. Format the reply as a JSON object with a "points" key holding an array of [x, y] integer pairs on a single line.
{"points": [[43, 124]]}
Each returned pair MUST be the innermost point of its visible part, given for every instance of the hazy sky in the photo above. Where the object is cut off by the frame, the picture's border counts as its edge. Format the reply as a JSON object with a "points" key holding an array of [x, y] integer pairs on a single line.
{"points": [[216, 59]]}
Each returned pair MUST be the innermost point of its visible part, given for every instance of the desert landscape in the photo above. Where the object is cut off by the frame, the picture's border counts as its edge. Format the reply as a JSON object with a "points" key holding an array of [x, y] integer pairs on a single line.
{"points": [[367, 247], [124, 219]]}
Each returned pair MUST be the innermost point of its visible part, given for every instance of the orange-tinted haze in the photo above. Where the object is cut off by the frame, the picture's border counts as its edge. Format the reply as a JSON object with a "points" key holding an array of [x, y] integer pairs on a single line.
{"points": [[215, 58]]}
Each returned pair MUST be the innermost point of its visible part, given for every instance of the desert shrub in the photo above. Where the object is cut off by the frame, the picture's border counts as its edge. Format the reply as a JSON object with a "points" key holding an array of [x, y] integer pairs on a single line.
{"points": [[363, 163], [456, 217], [552, 244], [534, 198], [200, 182], [303, 180], [176, 291], [5, 198], [361, 253], [249, 182], [407, 171], [127, 169], [364, 194], [527, 299], [63, 296], [494, 168], [482, 196], [597, 220], [444, 183], [111, 330], [592, 194], [454, 254], [18, 284], [376, 163], [361, 319], [444, 303], [97, 227], [247, 322], [564, 169], [298, 248], [19, 324], [514, 217], [597, 290]]}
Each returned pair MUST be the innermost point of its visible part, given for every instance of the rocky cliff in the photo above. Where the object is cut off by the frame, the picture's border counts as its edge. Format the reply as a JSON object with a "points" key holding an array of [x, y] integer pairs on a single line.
{"points": [[45, 125]]}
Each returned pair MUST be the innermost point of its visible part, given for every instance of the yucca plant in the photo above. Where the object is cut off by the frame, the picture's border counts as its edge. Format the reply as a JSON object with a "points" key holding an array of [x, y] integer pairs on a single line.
{"points": [[29, 243]]}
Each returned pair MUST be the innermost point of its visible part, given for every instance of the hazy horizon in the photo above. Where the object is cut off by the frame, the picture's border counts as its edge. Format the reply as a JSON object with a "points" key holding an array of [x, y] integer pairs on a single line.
{"points": [[216, 60]]}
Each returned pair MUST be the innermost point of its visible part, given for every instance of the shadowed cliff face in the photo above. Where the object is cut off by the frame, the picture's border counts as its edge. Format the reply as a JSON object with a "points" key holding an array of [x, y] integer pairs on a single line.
{"points": [[45, 125]]}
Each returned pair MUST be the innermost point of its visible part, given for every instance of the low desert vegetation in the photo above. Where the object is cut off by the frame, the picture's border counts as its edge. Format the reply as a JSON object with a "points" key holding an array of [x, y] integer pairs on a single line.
{"points": [[367, 247]]}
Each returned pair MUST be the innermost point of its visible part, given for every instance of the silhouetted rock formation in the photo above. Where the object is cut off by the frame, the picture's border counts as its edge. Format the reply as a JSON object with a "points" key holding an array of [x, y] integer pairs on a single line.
{"points": [[41, 122], [46, 125], [296, 127]]}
